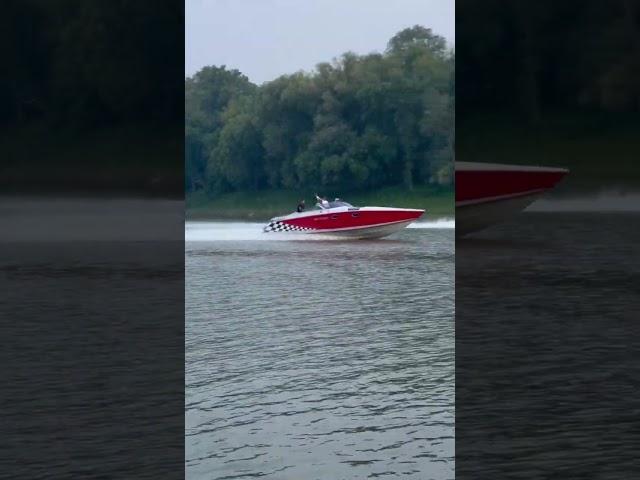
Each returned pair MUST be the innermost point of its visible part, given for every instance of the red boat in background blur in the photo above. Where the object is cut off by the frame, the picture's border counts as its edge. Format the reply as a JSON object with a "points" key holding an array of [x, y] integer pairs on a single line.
{"points": [[341, 219], [489, 193]]}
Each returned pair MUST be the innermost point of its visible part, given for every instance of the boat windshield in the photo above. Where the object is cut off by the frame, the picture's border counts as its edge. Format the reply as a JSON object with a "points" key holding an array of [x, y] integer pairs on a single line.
{"points": [[334, 204], [339, 203]]}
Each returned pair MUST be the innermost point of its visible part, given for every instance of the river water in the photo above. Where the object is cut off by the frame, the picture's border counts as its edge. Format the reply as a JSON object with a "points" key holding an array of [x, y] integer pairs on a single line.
{"points": [[319, 359], [547, 342]]}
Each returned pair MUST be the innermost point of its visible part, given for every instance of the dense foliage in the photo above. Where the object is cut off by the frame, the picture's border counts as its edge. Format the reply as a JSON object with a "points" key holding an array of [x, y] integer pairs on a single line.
{"points": [[361, 122]]}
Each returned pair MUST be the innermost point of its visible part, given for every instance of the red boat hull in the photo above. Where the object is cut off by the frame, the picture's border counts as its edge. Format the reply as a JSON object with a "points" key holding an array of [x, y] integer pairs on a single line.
{"points": [[354, 219], [365, 222], [487, 194]]}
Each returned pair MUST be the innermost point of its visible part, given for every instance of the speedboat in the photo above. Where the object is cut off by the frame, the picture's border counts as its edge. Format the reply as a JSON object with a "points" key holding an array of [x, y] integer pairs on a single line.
{"points": [[489, 193], [341, 219]]}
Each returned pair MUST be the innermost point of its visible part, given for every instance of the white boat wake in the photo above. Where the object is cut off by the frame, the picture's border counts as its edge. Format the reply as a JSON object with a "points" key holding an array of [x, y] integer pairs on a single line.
{"points": [[245, 231], [599, 202], [439, 223]]}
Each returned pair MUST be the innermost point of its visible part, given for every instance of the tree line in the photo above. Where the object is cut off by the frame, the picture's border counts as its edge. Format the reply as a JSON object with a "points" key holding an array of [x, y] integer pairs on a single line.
{"points": [[358, 123]]}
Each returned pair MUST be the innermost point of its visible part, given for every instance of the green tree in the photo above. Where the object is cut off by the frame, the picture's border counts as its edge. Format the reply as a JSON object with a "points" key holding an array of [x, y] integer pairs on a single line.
{"points": [[237, 157], [207, 95], [417, 36], [360, 122]]}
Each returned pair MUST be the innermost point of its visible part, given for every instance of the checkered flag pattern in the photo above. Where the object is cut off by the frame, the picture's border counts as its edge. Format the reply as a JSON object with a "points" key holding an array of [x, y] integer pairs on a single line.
{"points": [[284, 227]]}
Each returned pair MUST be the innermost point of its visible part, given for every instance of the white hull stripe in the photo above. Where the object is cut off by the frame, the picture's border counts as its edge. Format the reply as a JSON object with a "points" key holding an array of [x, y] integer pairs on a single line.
{"points": [[363, 227]]}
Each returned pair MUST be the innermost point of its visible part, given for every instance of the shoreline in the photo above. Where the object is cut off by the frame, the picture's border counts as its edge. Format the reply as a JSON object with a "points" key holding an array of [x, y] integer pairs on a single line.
{"points": [[251, 216], [266, 204], [198, 219]]}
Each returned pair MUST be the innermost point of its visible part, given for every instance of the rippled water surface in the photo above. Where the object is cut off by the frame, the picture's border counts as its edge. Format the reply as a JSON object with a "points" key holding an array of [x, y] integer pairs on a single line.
{"points": [[547, 335], [319, 359]]}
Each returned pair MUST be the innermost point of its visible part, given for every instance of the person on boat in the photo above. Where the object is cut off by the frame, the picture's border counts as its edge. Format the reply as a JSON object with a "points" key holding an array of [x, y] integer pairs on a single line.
{"points": [[300, 207], [322, 202]]}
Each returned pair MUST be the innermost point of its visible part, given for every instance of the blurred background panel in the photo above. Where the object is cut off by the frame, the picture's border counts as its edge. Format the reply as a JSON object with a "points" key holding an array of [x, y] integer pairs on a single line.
{"points": [[547, 301], [92, 238]]}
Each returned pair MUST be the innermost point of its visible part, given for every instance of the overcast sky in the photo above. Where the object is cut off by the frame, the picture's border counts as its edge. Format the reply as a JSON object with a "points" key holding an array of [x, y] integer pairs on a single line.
{"points": [[267, 38]]}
